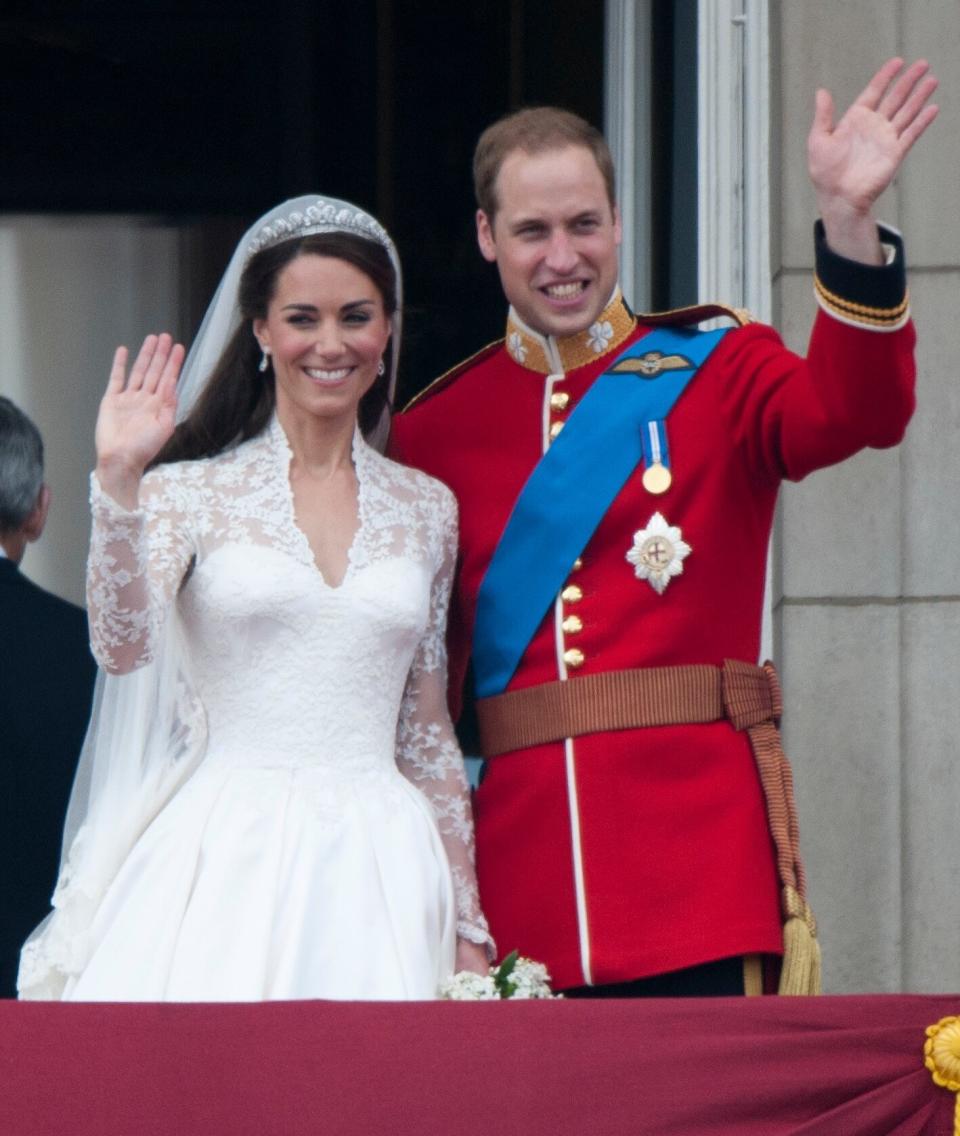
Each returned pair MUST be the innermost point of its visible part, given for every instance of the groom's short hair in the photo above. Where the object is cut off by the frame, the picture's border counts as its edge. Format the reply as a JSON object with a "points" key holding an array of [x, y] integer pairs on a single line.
{"points": [[533, 130]]}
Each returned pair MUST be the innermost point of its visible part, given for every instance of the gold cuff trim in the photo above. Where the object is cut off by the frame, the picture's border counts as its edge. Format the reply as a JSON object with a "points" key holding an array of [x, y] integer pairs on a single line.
{"points": [[861, 313]]}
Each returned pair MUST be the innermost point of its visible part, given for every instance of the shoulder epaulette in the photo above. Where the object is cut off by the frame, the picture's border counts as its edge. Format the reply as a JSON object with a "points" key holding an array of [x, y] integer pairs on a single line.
{"points": [[448, 376], [696, 313]]}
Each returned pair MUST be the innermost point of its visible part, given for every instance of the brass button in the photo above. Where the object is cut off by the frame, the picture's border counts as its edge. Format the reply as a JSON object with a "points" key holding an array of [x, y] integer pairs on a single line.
{"points": [[572, 624], [577, 564], [559, 400], [555, 430], [571, 594], [573, 657]]}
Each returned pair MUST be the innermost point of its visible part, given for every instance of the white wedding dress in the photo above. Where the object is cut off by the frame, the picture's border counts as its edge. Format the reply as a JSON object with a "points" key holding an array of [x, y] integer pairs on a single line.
{"points": [[321, 845]]}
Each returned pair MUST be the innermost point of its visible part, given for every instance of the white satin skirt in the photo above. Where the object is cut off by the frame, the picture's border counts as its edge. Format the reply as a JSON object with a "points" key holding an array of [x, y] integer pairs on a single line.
{"points": [[269, 882]]}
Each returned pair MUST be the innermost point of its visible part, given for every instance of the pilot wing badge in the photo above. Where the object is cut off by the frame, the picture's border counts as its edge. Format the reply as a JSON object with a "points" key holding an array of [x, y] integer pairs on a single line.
{"points": [[652, 364]]}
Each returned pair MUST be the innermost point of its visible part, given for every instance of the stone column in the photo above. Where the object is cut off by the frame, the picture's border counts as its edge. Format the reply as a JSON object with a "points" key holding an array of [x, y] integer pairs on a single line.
{"points": [[868, 579]]}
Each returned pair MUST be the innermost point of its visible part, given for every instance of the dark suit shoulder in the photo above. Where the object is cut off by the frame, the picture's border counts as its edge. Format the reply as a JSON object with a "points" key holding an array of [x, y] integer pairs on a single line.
{"points": [[42, 634], [16, 588]]}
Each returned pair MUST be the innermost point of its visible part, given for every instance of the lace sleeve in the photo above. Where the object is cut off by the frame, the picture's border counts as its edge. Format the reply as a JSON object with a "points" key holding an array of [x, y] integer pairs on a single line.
{"points": [[137, 560], [427, 751]]}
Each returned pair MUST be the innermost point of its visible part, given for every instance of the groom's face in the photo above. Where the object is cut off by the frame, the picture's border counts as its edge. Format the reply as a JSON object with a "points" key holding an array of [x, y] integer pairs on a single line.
{"points": [[554, 238]]}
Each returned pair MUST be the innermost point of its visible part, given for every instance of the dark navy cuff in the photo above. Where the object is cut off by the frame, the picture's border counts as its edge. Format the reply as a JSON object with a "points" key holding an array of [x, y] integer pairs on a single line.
{"points": [[866, 295]]}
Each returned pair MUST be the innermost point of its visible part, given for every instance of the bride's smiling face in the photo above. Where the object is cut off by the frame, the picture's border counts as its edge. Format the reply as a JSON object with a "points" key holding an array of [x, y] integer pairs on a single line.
{"points": [[326, 330]]}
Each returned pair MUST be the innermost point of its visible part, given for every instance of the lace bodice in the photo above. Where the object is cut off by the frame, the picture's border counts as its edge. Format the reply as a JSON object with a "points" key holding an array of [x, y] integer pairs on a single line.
{"points": [[288, 669]]}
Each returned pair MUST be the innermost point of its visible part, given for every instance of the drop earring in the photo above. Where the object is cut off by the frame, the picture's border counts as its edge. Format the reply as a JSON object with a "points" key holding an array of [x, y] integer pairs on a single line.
{"points": [[265, 361], [381, 368]]}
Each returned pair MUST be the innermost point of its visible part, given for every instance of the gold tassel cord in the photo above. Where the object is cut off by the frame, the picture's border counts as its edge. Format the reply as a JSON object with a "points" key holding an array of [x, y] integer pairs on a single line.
{"points": [[941, 1055], [801, 969]]}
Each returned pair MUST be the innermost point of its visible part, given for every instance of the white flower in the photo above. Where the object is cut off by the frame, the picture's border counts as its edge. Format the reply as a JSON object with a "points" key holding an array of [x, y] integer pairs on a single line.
{"points": [[531, 980], [469, 987], [657, 553], [599, 335], [515, 977], [516, 346]]}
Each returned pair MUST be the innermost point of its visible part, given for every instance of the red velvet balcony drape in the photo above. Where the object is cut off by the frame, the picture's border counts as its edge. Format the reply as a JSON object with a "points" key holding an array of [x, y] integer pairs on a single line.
{"points": [[831, 1066]]}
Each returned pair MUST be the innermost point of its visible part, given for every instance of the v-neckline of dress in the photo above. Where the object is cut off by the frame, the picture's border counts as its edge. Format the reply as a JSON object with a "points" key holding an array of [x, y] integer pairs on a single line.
{"points": [[284, 454]]}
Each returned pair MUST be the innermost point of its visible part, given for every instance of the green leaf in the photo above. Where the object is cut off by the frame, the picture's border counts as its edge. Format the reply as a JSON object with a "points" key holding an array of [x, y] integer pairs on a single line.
{"points": [[501, 978]]}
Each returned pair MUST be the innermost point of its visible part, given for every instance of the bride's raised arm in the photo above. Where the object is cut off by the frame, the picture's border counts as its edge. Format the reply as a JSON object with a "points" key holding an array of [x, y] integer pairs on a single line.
{"points": [[140, 546]]}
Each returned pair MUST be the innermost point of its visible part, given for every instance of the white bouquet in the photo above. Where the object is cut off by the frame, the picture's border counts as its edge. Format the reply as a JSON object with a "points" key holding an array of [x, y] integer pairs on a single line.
{"points": [[515, 977]]}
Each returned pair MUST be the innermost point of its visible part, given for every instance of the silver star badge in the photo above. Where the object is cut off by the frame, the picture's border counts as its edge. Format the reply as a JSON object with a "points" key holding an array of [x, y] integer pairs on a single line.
{"points": [[657, 553]]}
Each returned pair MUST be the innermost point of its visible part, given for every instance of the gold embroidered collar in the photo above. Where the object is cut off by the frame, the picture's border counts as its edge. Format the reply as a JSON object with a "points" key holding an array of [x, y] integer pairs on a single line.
{"points": [[551, 355]]}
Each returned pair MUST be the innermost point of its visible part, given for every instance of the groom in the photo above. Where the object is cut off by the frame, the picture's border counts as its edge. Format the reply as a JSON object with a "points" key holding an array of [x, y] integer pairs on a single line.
{"points": [[617, 478]]}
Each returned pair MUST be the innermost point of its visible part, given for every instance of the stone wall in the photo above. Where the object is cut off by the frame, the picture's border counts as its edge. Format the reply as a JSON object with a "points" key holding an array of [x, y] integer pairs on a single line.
{"points": [[867, 596]]}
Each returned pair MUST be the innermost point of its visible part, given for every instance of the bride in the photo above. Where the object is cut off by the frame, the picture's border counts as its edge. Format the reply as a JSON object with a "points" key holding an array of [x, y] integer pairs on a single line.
{"points": [[271, 802]]}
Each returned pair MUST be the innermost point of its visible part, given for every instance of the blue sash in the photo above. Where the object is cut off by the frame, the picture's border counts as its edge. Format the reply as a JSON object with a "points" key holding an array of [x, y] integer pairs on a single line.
{"points": [[570, 490]]}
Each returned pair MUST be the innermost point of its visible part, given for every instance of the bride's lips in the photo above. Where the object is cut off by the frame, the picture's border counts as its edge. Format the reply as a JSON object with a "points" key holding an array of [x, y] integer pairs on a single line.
{"points": [[324, 375]]}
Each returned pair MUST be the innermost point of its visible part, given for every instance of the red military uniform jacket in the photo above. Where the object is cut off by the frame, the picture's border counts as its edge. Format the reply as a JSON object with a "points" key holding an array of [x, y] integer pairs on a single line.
{"points": [[626, 853]]}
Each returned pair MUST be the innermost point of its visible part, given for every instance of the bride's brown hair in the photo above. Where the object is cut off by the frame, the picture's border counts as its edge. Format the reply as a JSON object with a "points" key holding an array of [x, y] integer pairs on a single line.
{"points": [[238, 399]]}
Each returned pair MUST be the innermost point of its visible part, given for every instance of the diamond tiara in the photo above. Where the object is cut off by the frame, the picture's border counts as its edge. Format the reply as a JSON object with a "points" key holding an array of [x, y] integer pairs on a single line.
{"points": [[322, 217]]}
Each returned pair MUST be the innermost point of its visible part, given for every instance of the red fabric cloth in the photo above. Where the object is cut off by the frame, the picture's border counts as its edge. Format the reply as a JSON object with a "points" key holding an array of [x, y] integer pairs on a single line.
{"points": [[712, 1067], [669, 823]]}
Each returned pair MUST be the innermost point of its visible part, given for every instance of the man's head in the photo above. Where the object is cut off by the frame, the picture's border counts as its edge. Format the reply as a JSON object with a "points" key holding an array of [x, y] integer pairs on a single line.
{"points": [[547, 216], [24, 499]]}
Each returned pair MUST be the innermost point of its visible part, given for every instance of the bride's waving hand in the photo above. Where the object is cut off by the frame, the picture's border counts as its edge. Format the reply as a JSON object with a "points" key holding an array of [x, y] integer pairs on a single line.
{"points": [[137, 415]]}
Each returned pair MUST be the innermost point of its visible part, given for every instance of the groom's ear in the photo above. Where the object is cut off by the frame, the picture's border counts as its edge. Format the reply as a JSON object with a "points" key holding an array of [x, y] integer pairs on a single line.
{"points": [[485, 237]]}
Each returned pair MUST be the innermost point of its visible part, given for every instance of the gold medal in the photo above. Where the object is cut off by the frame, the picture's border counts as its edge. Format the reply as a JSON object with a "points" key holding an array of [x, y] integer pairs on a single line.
{"points": [[657, 478]]}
